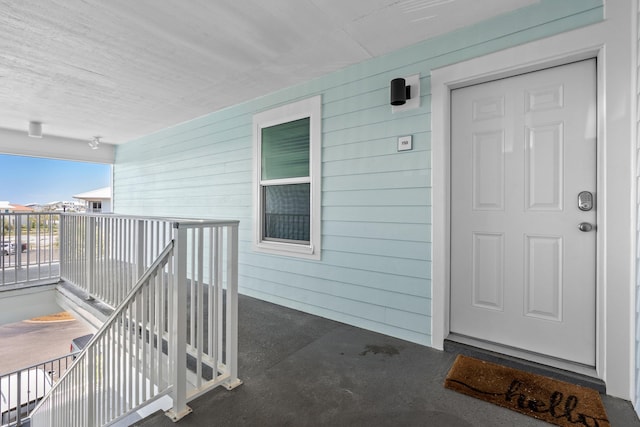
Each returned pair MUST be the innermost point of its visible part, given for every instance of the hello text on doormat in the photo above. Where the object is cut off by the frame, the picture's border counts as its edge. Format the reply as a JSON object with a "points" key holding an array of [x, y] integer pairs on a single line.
{"points": [[540, 397]]}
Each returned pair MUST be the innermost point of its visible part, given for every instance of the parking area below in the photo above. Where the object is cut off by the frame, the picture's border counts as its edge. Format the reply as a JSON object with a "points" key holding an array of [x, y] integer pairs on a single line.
{"points": [[26, 343]]}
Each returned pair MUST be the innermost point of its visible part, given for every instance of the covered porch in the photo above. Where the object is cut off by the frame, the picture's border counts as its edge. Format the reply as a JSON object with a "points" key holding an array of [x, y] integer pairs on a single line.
{"points": [[296, 368], [380, 256], [303, 370]]}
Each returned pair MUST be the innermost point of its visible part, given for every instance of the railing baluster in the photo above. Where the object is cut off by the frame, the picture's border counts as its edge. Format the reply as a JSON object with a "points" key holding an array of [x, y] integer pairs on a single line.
{"points": [[219, 295], [144, 348], [192, 285], [198, 234], [152, 334], [211, 263]]}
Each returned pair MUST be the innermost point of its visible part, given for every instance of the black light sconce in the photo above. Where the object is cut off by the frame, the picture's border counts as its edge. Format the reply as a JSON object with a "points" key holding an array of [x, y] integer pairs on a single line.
{"points": [[400, 92]]}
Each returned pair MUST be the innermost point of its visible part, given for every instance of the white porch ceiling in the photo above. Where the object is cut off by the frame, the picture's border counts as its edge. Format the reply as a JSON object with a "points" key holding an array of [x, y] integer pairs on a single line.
{"points": [[121, 69]]}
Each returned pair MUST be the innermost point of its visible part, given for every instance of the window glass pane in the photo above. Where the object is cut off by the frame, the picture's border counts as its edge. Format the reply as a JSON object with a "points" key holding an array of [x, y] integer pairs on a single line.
{"points": [[285, 150], [287, 212]]}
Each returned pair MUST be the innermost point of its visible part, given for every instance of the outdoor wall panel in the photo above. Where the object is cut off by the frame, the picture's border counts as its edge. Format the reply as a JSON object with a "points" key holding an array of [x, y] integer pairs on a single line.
{"points": [[404, 285], [375, 266], [404, 232], [335, 313], [397, 197], [390, 248], [378, 297]]}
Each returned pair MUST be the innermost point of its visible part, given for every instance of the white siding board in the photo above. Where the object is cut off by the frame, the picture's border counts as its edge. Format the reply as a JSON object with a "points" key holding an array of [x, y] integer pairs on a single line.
{"points": [[375, 268]]}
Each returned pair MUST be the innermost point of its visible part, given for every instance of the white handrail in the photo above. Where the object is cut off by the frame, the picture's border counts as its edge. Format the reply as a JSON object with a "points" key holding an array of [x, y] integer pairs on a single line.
{"points": [[23, 388], [173, 333], [94, 388]]}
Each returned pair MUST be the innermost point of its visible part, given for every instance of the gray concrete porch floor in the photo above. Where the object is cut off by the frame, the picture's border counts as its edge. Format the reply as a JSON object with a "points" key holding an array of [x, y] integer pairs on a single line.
{"points": [[303, 370]]}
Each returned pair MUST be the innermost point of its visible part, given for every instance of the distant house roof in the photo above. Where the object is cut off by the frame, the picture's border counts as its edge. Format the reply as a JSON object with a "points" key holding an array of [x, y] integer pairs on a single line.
{"points": [[99, 194], [13, 207], [20, 208]]}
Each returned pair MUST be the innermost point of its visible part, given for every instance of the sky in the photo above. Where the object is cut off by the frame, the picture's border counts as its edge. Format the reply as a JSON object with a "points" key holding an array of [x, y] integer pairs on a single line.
{"points": [[25, 180]]}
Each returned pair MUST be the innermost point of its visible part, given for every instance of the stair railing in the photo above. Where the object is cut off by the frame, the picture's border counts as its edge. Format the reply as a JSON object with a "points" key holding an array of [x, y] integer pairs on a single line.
{"points": [[175, 333]]}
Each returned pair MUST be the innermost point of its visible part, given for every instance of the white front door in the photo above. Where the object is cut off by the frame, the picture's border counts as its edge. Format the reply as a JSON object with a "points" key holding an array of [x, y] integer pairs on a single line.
{"points": [[522, 265]]}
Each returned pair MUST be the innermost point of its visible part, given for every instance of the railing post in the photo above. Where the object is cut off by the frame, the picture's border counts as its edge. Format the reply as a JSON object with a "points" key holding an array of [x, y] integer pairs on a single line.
{"points": [[19, 399], [62, 243], [90, 254], [18, 232], [141, 244], [232, 308], [90, 360], [178, 327]]}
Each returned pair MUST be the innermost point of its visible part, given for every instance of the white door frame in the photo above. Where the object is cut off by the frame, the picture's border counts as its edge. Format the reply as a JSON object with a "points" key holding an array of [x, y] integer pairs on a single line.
{"points": [[611, 43]]}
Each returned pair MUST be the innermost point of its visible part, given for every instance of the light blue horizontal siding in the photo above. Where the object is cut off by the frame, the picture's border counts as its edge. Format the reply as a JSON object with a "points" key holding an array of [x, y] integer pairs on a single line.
{"points": [[401, 283], [417, 178], [270, 294], [375, 270], [394, 197], [379, 298], [404, 232], [420, 251]]}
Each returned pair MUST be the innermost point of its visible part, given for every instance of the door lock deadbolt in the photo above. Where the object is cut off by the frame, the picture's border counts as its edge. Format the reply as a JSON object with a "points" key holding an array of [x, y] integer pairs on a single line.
{"points": [[585, 201]]}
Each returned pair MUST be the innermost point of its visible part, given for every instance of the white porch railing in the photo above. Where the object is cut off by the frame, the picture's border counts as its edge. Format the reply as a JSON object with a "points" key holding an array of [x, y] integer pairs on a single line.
{"points": [[29, 248], [22, 389], [173, 333], [106, 254]]}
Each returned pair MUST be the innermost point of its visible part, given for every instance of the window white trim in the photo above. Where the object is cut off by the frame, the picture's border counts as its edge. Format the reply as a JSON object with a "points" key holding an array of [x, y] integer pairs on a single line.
{"points": [[312, 108]]}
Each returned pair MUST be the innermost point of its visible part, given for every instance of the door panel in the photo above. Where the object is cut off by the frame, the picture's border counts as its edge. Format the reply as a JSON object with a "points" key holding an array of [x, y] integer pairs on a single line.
{"points": [[522, 272]]}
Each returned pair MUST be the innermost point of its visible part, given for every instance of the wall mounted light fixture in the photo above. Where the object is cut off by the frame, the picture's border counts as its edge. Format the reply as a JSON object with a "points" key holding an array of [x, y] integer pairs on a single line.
{"points": [[95, 142], [400, 91], [405, 93], [35, 129]]}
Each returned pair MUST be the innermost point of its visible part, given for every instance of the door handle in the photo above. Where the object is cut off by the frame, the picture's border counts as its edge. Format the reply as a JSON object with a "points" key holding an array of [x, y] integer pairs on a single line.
{"points": [[585, 226]]}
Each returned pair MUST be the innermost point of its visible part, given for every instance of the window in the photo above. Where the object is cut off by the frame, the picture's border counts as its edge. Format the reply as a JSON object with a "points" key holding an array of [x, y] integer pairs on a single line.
{"points": [[287, 179]]}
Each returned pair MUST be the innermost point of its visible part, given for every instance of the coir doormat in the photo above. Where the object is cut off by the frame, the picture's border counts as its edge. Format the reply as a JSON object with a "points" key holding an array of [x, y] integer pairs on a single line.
{"points": [[540, 397]]}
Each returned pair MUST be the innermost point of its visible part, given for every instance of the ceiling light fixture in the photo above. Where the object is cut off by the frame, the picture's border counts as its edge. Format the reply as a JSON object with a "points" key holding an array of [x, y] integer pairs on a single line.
{"points": [[95, 142], [35, 129]]}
